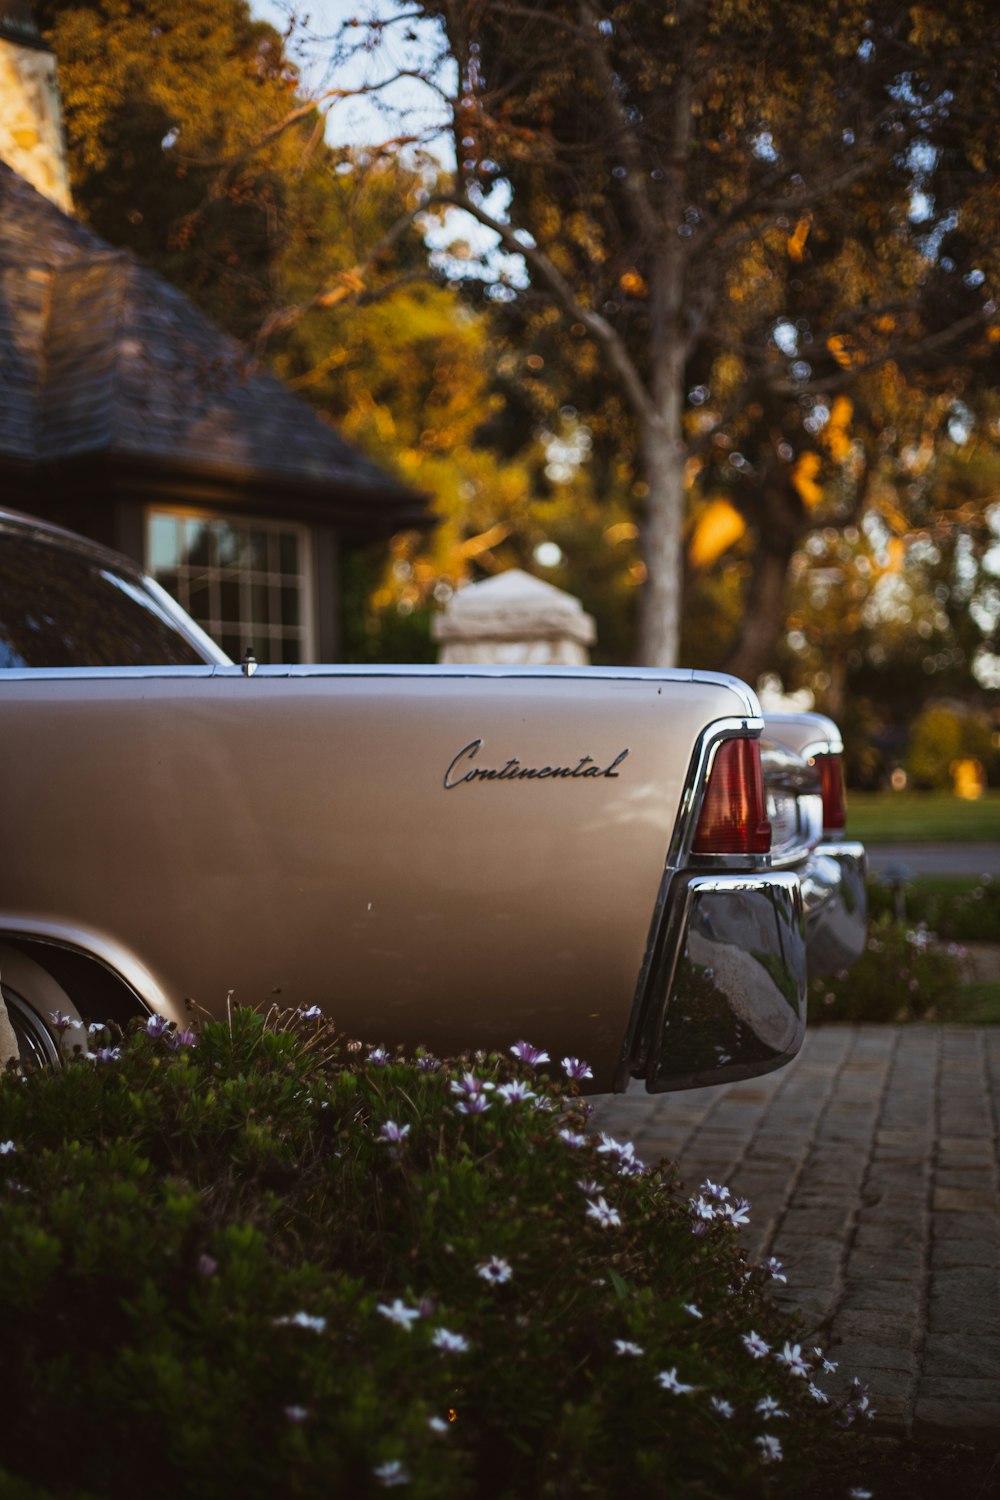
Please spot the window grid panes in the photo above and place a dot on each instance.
(244, 581)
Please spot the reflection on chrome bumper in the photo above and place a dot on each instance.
(733, 1005)
(836, 906)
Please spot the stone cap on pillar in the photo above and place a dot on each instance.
(514, 617)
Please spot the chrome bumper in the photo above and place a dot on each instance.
(836, 906)
(731, 999)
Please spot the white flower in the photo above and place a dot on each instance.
(737, 1212)
(7, 1148)
(667, 1380)
(437, 1424)
(301, 1320)
(770, 1449)
(773, 1269)
(702, 1209)
(828, 1365)
(625, 1346)
(714, 1190)
(451, 1343)
(398, 1312)
(857, 1493)
(589, 1186)
(470, 1087)
(721, 1406)
(390, 1474)
(310, 1012)
(754, 1344)
(478, 1104)
(629, 1164)
(606, 1216)
(768, 1407)
(791, 1357)
(817, 1394)
(296, 1413)
(392, 1132)
(526, 1053)
(378, 1057)
(576, 1069)
(517, 1092)
(690, 1307)
(494, 1270)
(572, 1138)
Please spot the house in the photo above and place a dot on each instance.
(127, 415)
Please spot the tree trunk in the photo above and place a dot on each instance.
(764, 615)
(660, 606)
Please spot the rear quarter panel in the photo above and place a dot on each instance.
(289, 838)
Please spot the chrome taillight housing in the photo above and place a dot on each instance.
(733, 817)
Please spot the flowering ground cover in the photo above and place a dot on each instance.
(260, 1261)
(906, 973)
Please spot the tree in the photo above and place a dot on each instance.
(748, 212)
(180, 143)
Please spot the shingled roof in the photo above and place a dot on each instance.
(99, 356)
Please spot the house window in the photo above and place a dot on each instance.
(245, 581)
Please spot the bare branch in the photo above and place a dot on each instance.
(904, 354)
(599, 327)
(348, 285)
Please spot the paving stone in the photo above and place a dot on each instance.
(949, 1226)
(952, 1355)
(856, 1357)
(945, 1419)
(965, 1200)
(861, 1325)
(965, 1148)
(948, 1254)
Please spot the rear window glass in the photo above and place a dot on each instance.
(60, 609)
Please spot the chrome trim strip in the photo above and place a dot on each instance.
(125, 967)
(432, 670)
(822, 747)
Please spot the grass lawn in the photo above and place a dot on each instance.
(979, 1004)
(923, 817)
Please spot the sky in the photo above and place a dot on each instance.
(358, 121)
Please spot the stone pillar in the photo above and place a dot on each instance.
(31, 133)
(514, 619)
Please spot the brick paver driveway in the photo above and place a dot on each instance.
(871, 1164)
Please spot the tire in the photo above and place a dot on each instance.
(31, 995)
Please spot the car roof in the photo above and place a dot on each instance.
(57, 536)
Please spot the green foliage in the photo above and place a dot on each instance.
(905, 974)
(171, 111)
(941, 735)
(220, 1278)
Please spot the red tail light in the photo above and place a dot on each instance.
(734, 813)
(831, 773)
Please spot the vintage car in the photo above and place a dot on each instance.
(602, 861)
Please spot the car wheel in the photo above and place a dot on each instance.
(31, 996)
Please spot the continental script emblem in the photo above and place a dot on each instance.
(462, 769)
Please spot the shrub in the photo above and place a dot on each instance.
(275, 1264)
(957, 908)
(904, 974)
